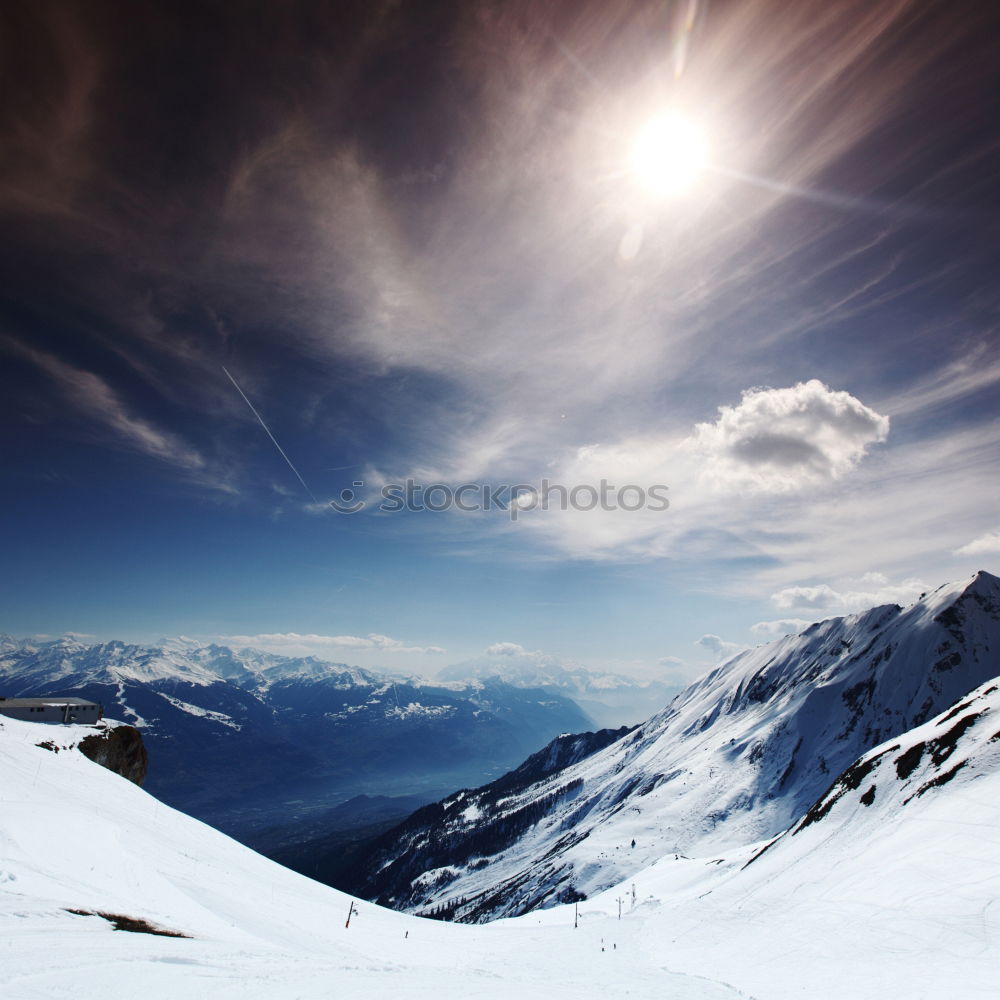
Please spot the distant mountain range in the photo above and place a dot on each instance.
(770, 741)
(251, 741)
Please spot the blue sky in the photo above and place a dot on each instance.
(420, 244)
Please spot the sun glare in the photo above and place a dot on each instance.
(668, 154)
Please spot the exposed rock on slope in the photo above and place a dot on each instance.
(962, 742)
(119, 749)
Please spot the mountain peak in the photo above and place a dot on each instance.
(735, 758)
(950, 605)
(983, 581)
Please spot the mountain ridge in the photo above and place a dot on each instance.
(736, 758)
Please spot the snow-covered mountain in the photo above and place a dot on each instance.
(738, 757)
(878, 787)
(884, 895)
(247, 739)
(183, 661)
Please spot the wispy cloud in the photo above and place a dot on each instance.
(972, 372)
(93, 397)
(759, 454)
(473, 283)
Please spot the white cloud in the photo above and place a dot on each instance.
(718, 646)
(506, 649)
(821, 596)
(674, 670)
(851, 598)
(988, 544)
(780, 626)
(773, 443)
(671, 661)
(294, 642)
(779, 440)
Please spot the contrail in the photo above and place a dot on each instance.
(260, 420)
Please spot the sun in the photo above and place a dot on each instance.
(668, 154)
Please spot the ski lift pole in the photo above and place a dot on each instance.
(350, 913)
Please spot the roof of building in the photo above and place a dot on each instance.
(35, 702)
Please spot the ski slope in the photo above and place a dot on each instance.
(75, 836)
(876, 902)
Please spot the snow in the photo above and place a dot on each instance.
(856, 906)
(183, 661)
(415, 710)
(135, 718)
(203, 713)
(75, 836)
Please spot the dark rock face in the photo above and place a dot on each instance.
(120, 750)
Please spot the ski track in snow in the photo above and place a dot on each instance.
(204, 713)
(137, 720)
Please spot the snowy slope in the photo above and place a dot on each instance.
(737, 758)
(76, 837)
(889, 886)
(960, 745)
(873, 902)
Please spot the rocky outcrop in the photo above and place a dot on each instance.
(119, 749)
